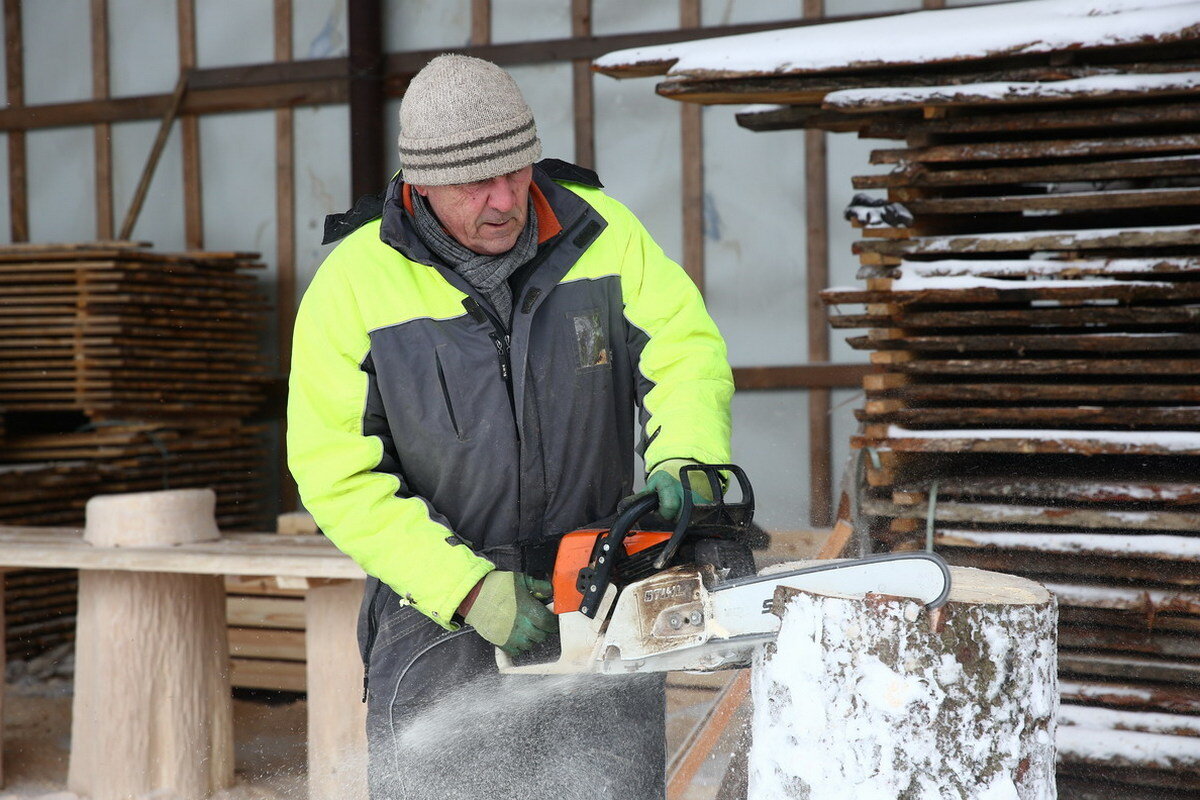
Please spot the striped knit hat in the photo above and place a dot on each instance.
(462, 120)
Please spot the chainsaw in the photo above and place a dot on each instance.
(631, 600)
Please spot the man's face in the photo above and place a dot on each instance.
(485, 216)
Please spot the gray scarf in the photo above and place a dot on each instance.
(488, 274)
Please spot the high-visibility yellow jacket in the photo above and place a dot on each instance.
(431, 445)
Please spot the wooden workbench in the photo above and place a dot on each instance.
(333, 583)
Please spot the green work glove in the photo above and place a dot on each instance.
(664, 481)
(508, 612)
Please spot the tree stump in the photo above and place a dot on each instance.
(876, 698)
(152, 711)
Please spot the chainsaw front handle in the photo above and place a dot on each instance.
(594, 580)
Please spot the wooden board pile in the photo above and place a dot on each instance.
(120, 332)
(123, 370)
(1032, 306)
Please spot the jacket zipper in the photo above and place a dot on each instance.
(502, 342)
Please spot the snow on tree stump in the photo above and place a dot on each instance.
(877, 698)
(152, 713)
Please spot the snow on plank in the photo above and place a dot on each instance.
(1094, 87)
(1081, 745)
(1050, 366)
(1056, 516)
(1057, 201)
(1088, 543)
(1039, 148)
(1150, 343)
(970, 289)
(1079, 117)
(990, 392)
(1034, 440)
(1142, 600)
(1113, 488)
(1038, 240)
(1057, 270)
(1102, 719)
(922, 38)
(903, 181)
(980, 319)
(1123, 417)
(1123, 695)
(1126, 667)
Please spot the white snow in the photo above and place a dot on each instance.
(1127, 747)
(1008, 90)
(1140, 721)
(832, 715)
(1074, 689)
(1001, 788)
(761, 108)
(950, 267)
(1070, 238)
(1174, 441)
(1112, 597)
(911, 282)
(925, 37)
(1183, 548)
(885, 689)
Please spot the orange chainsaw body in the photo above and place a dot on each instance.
(575, 553)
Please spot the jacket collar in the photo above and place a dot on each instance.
(557, 208)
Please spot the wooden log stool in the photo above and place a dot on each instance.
(876, 697)
(337, 715)
(152, 711)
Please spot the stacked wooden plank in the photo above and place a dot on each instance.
(1032, 306)
(120, 332)
(46, 479)
(122, 370)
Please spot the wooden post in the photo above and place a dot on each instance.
(14, 68)
(816, 203)
(481, 22)
(103, 130)
(364, 23)
(152, 710)
(877, 697)
(691, 123)
(189, 133)
(337, 716)
(582, 91)
(285, 237)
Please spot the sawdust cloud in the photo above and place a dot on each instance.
(529, 733)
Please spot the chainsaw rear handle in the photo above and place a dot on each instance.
(718, 514)
(595, 579)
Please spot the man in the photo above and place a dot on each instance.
(465, 374)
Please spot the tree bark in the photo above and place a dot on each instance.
(152, 709)
(877, 698)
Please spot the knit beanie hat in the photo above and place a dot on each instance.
(462, 120)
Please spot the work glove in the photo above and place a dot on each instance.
(664, 481)
(508, 611)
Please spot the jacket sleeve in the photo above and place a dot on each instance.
(684, 383)
(340, 453)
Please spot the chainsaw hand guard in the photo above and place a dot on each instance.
(712, 519)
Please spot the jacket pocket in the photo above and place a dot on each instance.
(441, 376)
(590, 331)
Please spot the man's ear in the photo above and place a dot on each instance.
(422, 190)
